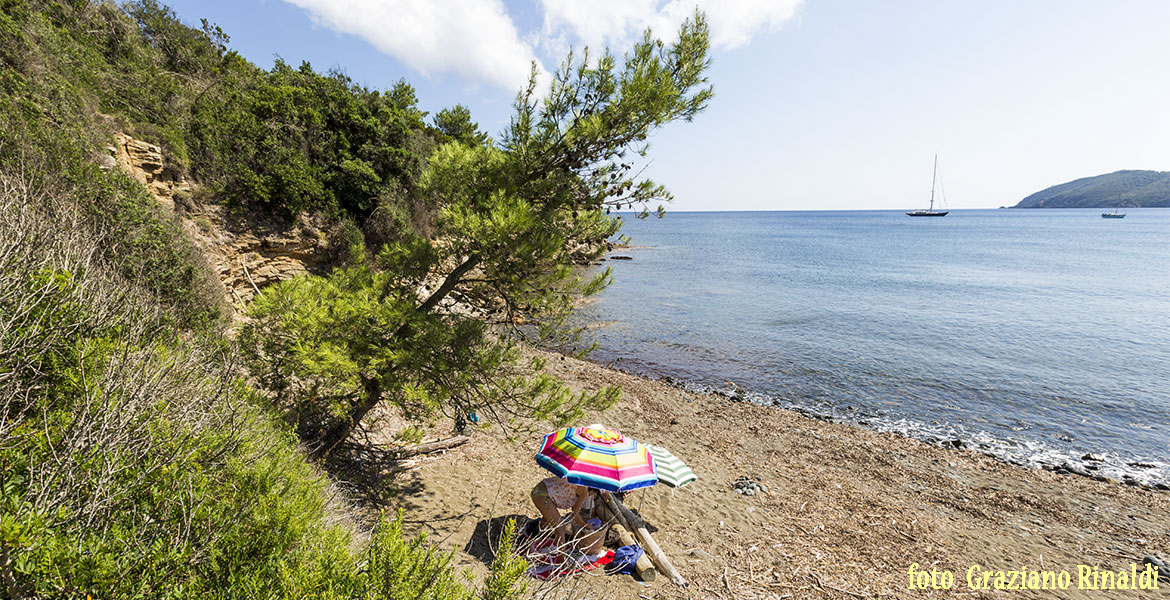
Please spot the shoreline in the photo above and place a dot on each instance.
(847, 512)
(1088, 465)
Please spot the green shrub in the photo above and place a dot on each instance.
(287, 140)
(137, 465)
(130, 229)
(409, 570)
(410, 435)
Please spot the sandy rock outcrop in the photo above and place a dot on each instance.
(144, 161)
(246, 250)
(250, 251)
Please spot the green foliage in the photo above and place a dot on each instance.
(510, 221)
(403, 97)
(184, 50)
(137, 236)
(136, 462)
(505, 580)
(63, 63)
(135, 466)
(456, 124)
(150, 247)
(412, 329)
(330, 348)
(294, 140)
(402, 570)
(410, 435)
(397, 219)
(138, 465)
(593, 116)
(287, 140)
(349, 239)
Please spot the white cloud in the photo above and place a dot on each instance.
(475, 40)
(615, 23)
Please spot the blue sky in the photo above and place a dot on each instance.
(819, 104)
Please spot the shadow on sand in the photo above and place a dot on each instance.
(373, 475)
(485, 540)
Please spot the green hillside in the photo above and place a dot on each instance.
(1122, 188)
(148, 452)
(136, 460)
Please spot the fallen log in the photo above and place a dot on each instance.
(658, 557)
(429, 447)
(644, 568)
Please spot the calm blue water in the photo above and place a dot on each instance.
(1036, 335)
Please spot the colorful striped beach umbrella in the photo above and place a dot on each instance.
(670, 469)
(597, 457)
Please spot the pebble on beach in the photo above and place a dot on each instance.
(748, 486)
(1161, 564)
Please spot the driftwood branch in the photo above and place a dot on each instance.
(239, 301)
(639, 528)
(429, 447)
(249, 276)
(644, 568)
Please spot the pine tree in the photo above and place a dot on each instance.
(430, 325)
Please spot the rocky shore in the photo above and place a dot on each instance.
(834, 510)
(1099, 468)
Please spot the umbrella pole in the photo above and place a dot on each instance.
(639, 527)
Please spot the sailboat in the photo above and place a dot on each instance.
(930, 212)
(1113, 215)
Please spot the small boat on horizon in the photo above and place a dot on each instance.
(1113, 215)
(931, 212)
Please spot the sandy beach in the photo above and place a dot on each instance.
(848, 511)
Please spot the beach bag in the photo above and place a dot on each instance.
(624, 559)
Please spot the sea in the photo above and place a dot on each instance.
(1041, 337)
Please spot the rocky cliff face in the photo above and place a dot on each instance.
(144, 161)
(247, 251)
(250, 250)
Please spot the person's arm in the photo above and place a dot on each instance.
(582, 494)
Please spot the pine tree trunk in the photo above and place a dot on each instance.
(339, 432)
(373, 388)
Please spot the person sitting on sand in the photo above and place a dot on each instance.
(554, 493)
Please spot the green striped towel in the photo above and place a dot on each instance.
(669, 468)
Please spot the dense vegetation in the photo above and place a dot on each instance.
(137, 459)
(412, 327)
(1122, 188)
(289, 139)
(136, 462)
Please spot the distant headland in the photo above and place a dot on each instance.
(1122, 188)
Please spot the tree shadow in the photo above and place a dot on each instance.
(373, 475)
(485, 540)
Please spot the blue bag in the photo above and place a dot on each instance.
(624, 559)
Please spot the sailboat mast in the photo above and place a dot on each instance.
(933, 178)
